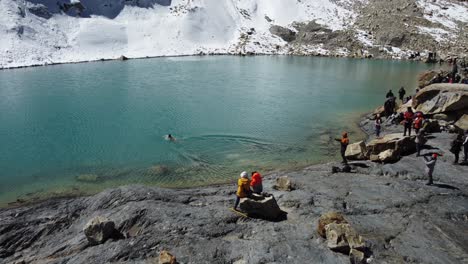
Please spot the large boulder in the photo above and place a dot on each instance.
(378, 149)
(356, 151)
(441, 98)
(462, 122)
(283, 183)
(430, 77)
(99, 229)
(264, 207)
(342, 238)
(328, 218)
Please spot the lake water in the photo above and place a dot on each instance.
(107, 120)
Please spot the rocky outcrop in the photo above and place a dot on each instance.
(442, 98)
(264, 207)
(390, 147)
(356, 151)
(430, 77)
(285, 33)
(99, 229)
(462, 123)
(283, 183)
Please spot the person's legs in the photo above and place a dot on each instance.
(429, 174)
(457, 155)
(237, 202)
(343, 156)
(405, 128)
(465, 150)
(418, 149)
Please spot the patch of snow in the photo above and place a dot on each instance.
(440, 35)
(363, 37)
(445, 12)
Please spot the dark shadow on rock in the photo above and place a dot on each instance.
(445, 186)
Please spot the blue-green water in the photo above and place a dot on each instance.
(228, 114)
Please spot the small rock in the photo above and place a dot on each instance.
(283, 183)
(342, 238)
(357, 257)
(166, 258)
(123, 58)
(356, 151)
(99, 229)
(328, 218)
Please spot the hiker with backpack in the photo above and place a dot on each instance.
(243, 188)
(430, 165)
(378, 125)
(401, 93)
(256, 183)
(420, 141)
(418, 122)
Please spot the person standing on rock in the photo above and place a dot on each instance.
(378, 125)
(402, 93)
(256, 183)
(420, 141)
(408, 121)
(344, 141)
(243, 188)
(456, 146)
(430, 165)
(389, 94)
(418, 122)
(465, 147)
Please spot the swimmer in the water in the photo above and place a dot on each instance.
(170, 137)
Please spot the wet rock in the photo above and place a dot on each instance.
(283, 183)
(285, 33)
(328, 218)
(262, 207)
(356, 151)
(87, 178)
(99, 229)
(441, 98)
(166, 258)
(462, 122)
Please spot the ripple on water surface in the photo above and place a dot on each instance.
(79, 128)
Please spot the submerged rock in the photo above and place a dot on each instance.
(87, 178)
(264, 207)
(99, 229)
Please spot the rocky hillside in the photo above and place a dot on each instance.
(39, 32)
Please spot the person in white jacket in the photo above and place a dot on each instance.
(430, 164)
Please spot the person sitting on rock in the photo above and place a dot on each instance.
(256, 183)
(408, 121)
(344, 141)
(456, 146)
(430, 164)
(243, 188)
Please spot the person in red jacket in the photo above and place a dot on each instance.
(256, 183)
(408, 121)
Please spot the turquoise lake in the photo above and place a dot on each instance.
(79, 128)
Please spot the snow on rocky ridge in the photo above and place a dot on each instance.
(39, 32)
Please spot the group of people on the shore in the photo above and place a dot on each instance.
(246, 187)
(411, 120)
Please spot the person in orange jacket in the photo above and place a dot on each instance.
(344, 142)
(243, 188)
(256, 183)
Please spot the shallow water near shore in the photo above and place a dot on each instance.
(105, 122)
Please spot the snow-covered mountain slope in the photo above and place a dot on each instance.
(36, 32)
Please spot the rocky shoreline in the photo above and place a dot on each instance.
(388, 204)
